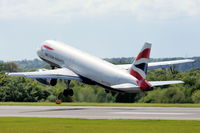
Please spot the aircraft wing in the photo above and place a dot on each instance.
(159, 65)
(160, 83)
(61, 73)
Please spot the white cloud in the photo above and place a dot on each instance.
(165, 9)
(69, 9)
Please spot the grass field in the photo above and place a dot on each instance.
(55, 125)
(98, 104)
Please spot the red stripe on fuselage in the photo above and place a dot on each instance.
(144, 54)
(47, 47)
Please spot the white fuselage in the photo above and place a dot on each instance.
(86, 65)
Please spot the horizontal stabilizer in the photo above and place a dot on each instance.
(160, 83)
(167, 64)
(159, 65)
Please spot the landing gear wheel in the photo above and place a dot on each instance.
(65, 93)
(68, 92)
(71, 92)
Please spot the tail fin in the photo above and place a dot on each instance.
(139, 67)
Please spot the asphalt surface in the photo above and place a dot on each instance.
(93, 112)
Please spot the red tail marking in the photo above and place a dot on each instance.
(47, 47)
(144, 85)
(144, 54)
(136, 74)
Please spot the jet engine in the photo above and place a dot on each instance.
(51, 82)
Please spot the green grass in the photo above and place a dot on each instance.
(98, 104)
(61, 125)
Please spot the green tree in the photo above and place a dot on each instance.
(21, 90)
(173, 94)
(152, 97)
(196, 96)
(87, 93)
(9, 67)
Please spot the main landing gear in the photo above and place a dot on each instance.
(68, 91)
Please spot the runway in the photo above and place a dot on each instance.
(93, 112)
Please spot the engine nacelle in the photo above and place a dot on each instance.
(51, 82)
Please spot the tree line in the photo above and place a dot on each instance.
(36, 63)
(20, 89)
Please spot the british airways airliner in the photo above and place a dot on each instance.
(69, 63)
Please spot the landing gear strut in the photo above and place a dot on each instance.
(68, 91)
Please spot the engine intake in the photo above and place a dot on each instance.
(51, 82)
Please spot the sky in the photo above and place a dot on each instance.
(104, 28)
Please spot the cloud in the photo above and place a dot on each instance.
(70, 9)
(165, 9)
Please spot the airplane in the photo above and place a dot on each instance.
(69, 63)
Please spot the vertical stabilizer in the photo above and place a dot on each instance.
(140, 65)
